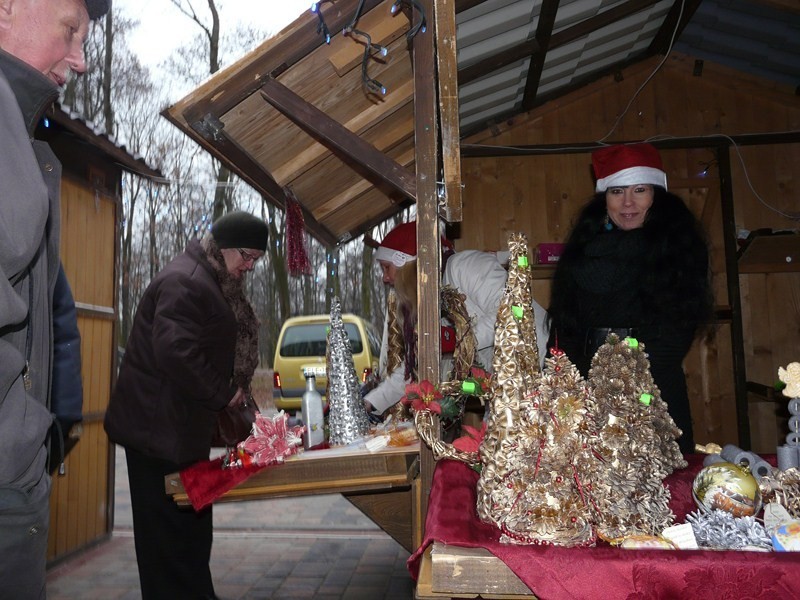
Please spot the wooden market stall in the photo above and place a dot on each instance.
(303, 114)
(81, 502)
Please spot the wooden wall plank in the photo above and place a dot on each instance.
(79, 502)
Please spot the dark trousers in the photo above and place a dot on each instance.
(24, 523)
(173, 544)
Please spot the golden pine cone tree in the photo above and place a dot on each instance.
(535, 443)
(635, 441)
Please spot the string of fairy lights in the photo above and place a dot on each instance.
(372, 51)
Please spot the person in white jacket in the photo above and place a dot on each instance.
(480, 276)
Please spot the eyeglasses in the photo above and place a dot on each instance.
(247, 257)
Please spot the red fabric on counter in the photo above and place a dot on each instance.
(206, 481)
(557, 573)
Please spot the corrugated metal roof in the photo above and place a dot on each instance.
(747, 36)
(592, 37)
(97, 137)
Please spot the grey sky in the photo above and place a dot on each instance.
(162, 27)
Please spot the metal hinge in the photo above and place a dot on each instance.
(210, 127)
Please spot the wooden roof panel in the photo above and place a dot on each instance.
(386, 130)
(265, 132)
(343, 182)
(273, 140)
(367, 210)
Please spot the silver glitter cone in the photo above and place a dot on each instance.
(347, 420)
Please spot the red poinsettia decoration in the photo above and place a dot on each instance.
(472, 441)
(271, 440)
(423, 396)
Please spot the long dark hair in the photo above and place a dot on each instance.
(675, 285)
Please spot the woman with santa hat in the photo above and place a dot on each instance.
(635, 264)
(478, 275)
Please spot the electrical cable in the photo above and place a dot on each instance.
(792, 216)
(322, 27)
(372, 85)
(646, 81)
(356, 17)
(421, 24)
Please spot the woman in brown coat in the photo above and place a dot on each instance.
(191, 352)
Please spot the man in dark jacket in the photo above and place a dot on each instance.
(191, 352)
(41, 43)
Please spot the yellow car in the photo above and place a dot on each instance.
(301, 348)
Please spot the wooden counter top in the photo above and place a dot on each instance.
(382, 484)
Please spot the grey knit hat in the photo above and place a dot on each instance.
(239, 229)
(97, 8)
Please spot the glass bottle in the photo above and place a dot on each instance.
(313, 418)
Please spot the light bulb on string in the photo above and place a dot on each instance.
(322, 27)
(706, 167)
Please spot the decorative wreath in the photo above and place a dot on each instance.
(447, 399)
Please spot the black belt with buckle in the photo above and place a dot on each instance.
(596, 337)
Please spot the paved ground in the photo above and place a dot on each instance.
(318, 547)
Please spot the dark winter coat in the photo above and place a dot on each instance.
(176, 373)
(30, 183)
(29, 239)
(653, 280)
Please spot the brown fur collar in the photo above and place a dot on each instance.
(246, 357)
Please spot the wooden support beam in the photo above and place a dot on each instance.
(447, 71)
(544, 29)
(706, 141)
(428, 242)
(400, 97)
(734, 298)
(216, 141)
(348, 146)
(391, 510)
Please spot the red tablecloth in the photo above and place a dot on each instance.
(555, 573)
(206, 480)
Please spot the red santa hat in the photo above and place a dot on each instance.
(623, 165)
(399, 247)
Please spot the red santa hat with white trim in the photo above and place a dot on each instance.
(399, 247)
(623, 165)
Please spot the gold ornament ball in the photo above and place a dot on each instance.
(729, 487)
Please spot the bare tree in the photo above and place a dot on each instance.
(211, 32)
(277, 258)
(108, 111)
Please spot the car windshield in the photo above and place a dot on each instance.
(312, 340)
